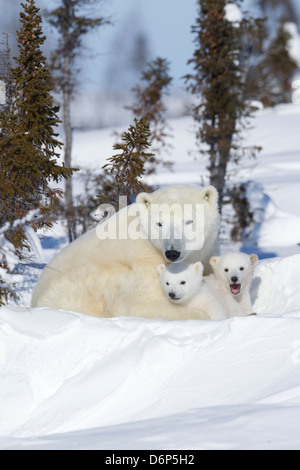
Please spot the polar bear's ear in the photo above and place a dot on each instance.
(199, 267)
(210, 194)
(160, 269)
(143, 199)
(253, 258)
(214, 261)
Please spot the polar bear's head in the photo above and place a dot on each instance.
(235, 270)
(179, 219)
(181, 281)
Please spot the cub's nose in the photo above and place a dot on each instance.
(234, 279)
(172, 255)
(172, 295)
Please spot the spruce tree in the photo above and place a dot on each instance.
(29, 145)
(124, 172)
(218, 81)
(149, 102)
(277, 70)
(270, 77)
(121, 176)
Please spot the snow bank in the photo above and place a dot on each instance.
(275, 288)
(69, 380)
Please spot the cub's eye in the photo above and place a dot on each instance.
(189, 222)
(159, 224)
(226, 270)
(167, 283)
(182, 283)
(241, 268)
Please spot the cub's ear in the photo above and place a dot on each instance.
(144, 199)
(253, 258)
(199, 267)
(210, 194)
(160, 269)
(214, 261)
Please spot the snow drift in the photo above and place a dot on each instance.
(73, 381)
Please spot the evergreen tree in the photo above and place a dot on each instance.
(28, 142)
(149, 102)
(242, 214)
(28, 145)
(125, 169)
(270, 77)
(121, 176)
(277, 69)
(219, 82)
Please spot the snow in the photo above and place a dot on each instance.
(233, 13)
(127, 382)
(70, 381)
(294, 41)
(8, 259)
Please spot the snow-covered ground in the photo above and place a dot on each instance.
(73, 381)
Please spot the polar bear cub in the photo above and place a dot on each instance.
(231, 280)
(183, 284)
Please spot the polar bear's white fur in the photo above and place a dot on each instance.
(184, 285)
(231, 280)
(111, 271)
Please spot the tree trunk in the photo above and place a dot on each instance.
(217, 169)
(219, 158)
(217, 179)
(68, 147)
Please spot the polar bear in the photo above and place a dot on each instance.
(111, 270)
(231, 280)
(183, 284)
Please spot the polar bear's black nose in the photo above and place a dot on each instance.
(234, 279)
(172, 295)
(172, 255)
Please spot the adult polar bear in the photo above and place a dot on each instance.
(112, 270)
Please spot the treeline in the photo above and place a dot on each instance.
(235, 63)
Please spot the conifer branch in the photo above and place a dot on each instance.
(127, 167)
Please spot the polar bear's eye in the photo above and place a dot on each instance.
(159, 224)
(167, 283)
(189, 222)
(182, 283)
(241, 268)
(226, 270)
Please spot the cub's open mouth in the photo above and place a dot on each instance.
(235, 289)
